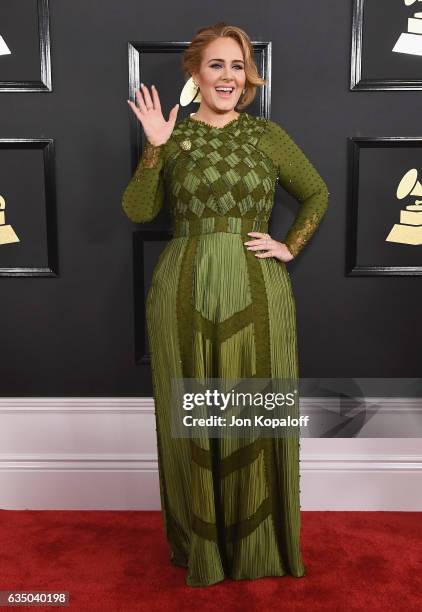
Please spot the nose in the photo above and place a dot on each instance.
(228, 73)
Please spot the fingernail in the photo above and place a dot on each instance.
(142, 84)
(152, 85)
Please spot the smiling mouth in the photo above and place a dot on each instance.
(224, 93)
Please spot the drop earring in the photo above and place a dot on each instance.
(190, 93)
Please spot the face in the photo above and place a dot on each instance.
(222, 65)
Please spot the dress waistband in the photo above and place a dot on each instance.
(208, 225)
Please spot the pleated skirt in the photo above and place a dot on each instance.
(230, 507)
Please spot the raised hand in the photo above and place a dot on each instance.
(156, 128)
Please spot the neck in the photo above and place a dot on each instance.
(217, 119)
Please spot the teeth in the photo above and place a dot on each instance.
(224, 88)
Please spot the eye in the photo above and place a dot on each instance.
(235, 66)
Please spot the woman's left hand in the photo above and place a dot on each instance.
(273, 248)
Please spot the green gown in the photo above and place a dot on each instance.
(214, 309)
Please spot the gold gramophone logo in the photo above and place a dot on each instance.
(7, 233)
(409, 230)
(411, 41)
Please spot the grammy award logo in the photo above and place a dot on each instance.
(411, 41)
(7, 233)
(409, 230)
(4, 49)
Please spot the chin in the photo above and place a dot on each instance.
(228, 105)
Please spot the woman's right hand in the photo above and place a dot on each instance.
(156, 128)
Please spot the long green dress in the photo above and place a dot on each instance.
(214, 309)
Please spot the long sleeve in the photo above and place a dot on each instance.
(300, 179)
(143, 197)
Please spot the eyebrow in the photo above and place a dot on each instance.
(218, 59)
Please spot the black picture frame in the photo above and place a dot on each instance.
(355, 146)
(363, 13)
(137, 50)
(44, 83)
(47, 145)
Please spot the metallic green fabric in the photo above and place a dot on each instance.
(214, 310)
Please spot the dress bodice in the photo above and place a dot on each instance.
(209, 173)
(219, 171)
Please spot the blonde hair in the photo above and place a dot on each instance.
(192, 56)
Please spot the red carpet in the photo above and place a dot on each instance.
(118, 561)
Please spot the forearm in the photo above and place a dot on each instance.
(143, 196)
(307, 220)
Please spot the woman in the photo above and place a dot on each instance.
(221, 305)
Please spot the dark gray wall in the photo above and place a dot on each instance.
(74, 335)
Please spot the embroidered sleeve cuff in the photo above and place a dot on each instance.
(151, 156)
(301, 231)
